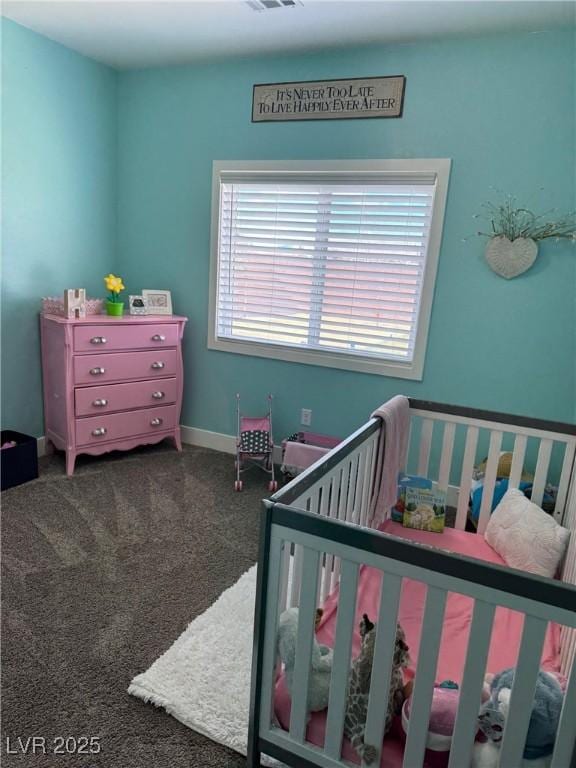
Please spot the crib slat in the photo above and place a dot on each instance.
(365, 501)
(569, 567)
(344, 491)
(425, 444)
(568, 653)
(325, 567)
(320, 579)
(341, 660)
(446, 459)
(541, 474)
(517, 461)
(523, 688)
(342, 501)
(335, 573)
(296, 575)
(425, 673)
(565, 746)
(334, 492)
(306, 616)
(404, 469)
(324, 494)
(466, 477)
(357, 511)
(272, 613)
(329, 558)
(490, 479)
(564, 481)
(284, 576)
(384, 648)
(352, 488)
(313, 503)
(375, 440)
(466, 723)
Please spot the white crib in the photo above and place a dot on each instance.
(316, 533)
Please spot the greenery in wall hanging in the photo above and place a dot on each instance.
(515, 232)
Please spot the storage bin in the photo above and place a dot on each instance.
(302, 449)
(19, 464)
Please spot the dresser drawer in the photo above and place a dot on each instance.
(91, 401)
(116, 426)
(92, 338)
(95, 369)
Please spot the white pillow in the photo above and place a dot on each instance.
(525, 536)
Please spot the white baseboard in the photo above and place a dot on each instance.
(41, 446)
(204, 438)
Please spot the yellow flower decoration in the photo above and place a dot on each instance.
(113, 284)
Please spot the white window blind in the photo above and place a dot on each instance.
(335, 267)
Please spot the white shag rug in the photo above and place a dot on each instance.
(203, 679)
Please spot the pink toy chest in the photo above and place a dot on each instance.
(111, 383)
(300, 454)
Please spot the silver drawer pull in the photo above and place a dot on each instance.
(100, 403)
(99, 432)
(98, 340)
(157, 365)
(158, 395)
(156, 422)
(97, 371)
(158, 337)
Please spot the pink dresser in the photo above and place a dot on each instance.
(111, 383)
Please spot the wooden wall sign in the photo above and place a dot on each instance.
(360, 97)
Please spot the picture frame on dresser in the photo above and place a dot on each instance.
(157, 302)
(137, 305)
(111, 383)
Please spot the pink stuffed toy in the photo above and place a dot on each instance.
(441, 724)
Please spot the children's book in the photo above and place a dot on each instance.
(425, 509)
(414, 481)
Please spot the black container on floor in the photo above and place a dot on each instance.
(19, 464)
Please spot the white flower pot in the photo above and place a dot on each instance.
(510, 258)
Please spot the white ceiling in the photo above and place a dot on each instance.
(144, 33)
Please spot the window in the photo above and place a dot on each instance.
(327, 263)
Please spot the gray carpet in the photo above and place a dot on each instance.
(101, 573)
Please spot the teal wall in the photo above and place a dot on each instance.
(59, 205)
(106, 170)
(502, 108)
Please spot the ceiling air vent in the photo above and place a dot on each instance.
(268, 5)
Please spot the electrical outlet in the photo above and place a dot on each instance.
(305, 417)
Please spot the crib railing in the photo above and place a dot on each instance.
(540, 600)
(303, 548)
(440, 422)
(338, 487)
(434, 427)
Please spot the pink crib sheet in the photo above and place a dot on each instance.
(506, 632)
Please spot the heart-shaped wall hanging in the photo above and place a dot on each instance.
(510, 258)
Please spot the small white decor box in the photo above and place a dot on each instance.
(54, 305)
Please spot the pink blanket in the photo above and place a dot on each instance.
(392, 452)
(506, 632)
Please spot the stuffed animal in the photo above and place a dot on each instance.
(445, 698)
(359, 688)
(321, 662)
(546, 708)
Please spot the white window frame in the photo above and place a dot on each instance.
(402, 171)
